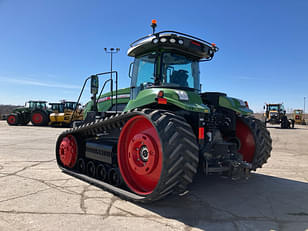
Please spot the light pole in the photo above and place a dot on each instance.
(111, 51)
(304, 106)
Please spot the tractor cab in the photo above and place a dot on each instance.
(275, 108)
(274, 113)
(70, 105)
(57, 107)
(36, 105)
(168, 59)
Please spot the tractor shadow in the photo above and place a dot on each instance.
(285, 129)
(216, 200)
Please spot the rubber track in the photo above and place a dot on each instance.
(179, 145)
(262, 139)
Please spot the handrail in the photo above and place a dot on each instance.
(99, 74)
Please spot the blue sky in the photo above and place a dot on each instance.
(47, 48)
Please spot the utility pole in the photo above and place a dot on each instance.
(111, 51)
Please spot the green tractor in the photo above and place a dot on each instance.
(149, 141)
(34, 111)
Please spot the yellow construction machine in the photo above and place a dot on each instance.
(298, 116)
(65, 113)
(276, 114)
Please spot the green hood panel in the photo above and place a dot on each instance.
(193, 101)
(21, 109)
(104, 100)
(186, 100)
(234, 104)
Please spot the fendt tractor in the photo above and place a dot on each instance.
(276, 114)
(34, 111)
(149, 141)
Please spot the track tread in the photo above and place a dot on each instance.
(179, 144)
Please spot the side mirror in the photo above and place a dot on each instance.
(94, 84)
(131, 65)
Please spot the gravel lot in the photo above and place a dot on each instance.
(36, 195)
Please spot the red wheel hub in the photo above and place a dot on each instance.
(68, 151)
(247, 141)
(37, 118)
(11, 119)
(140, 155)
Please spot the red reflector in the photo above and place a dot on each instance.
(201, 133)
(162, 101)
(195, 43)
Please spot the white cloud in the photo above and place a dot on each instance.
(38, 83)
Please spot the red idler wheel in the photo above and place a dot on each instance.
(12, 120)
(37, 118)
(68, 151)
(247, 141)
(140, 155)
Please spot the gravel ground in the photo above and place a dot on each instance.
(36, 195)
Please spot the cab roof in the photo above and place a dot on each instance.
(173, 41)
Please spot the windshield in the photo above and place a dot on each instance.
(143, 73)
(70, 105)
(275, 108)
(37, 105)
(57, 107)
(180, 71)
(174, 71)
(144, 69)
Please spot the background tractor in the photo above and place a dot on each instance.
(149, 141)
(298, 116)
(64, 113)
(34, 111)
(276, 114)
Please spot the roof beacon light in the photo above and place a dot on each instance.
(153, 25)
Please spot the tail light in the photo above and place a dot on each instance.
(160, 98)
(201, 133)
(246, 103)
